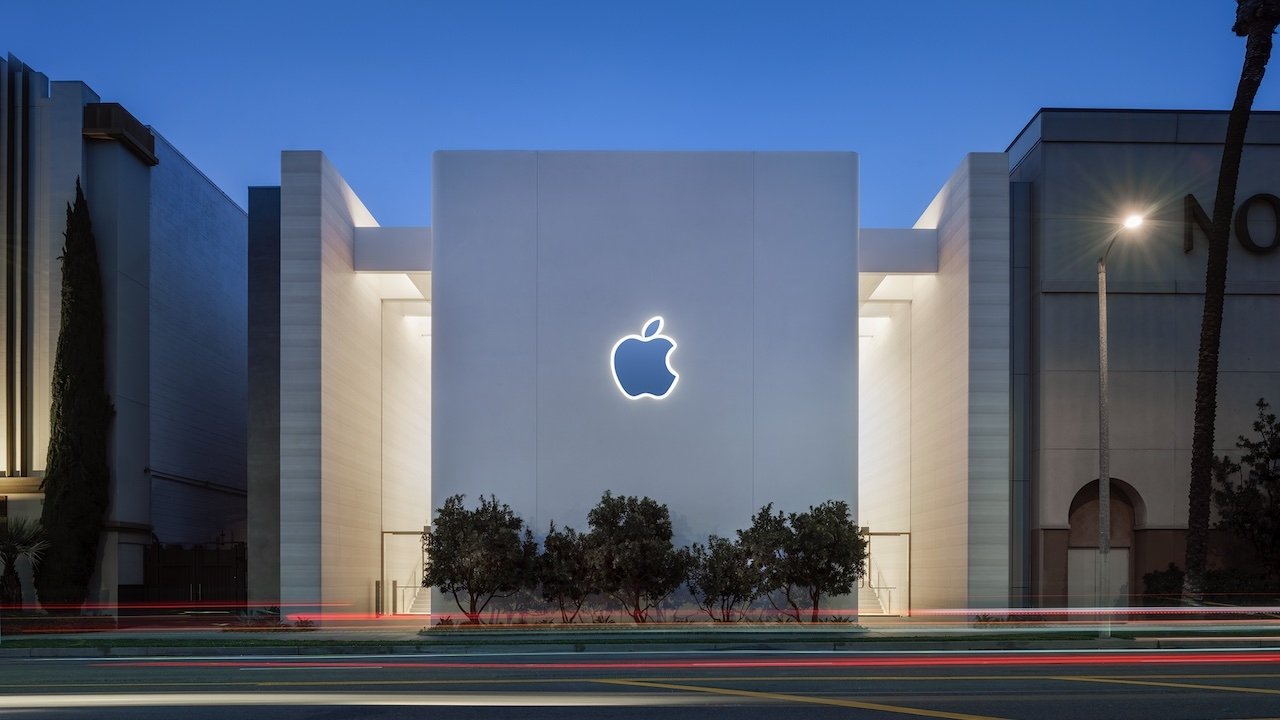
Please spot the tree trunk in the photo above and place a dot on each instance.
(1257, 53)
(638, 614)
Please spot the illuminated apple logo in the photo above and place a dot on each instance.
(642, 364)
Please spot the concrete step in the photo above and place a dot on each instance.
(869, 602)
(421, 603)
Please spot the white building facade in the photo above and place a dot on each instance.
(941, 378)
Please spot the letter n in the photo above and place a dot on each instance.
(1193, 215)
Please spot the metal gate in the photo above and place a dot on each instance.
(197, 574)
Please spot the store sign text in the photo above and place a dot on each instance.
(1194, 217)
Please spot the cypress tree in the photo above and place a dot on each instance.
(76, 476)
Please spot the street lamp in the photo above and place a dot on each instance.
(1103, 580)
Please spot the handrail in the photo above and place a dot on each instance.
(886, 602)
(415, 588)
(407, 603)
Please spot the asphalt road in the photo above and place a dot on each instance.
(1041, 685)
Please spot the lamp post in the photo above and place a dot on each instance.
(1103, 580)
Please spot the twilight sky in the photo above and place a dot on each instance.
(380, 85)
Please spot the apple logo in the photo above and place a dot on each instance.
(642, 364)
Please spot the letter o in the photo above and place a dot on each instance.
(1242, 224)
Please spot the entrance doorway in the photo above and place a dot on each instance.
(1082, 546)
(885, 588)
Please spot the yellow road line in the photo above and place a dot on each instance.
(1184, 686)
(780, 697)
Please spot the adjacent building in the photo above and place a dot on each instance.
(1073, 173)
(172, 248)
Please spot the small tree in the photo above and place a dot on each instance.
(564, 572)
(1249, 505)
(769, 543)
(19, 538)
(632, 557)
(830, 552)
(722, 578)
(803, 556)
(478, 554)
(77, 476)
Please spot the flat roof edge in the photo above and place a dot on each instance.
(1033, 132)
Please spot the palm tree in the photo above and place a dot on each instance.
(1256, 21)
(19, 538)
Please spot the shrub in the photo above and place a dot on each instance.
(722, 578)
(631, 554)
(478, 555)
(564, 573)
(804, 556)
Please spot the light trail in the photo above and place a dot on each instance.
(104, 700)
(1196, 657)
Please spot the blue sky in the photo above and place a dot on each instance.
(379, 86)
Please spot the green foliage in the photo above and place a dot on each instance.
(479, 554)
(831, 552)
(77, 477)
(1247, 494)
(803, 556)
(1163, 587)
(722, 578)
(768, 543)
(19, 538)
(1231, 585)
(564, 574)
(631, 554)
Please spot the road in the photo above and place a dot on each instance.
(1044, 685)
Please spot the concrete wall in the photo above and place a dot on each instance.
(264, 396)
(53, 156)
(543, 260)
(59, 158)
(118, 190)
(331, 392)
(1155, 303)
(960, 395)
(1088, 170)
(198, 335)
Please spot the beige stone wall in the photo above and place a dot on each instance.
(355, 453)
(330, 388)
(960, 395)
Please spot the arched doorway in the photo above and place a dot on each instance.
(1082, 545)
